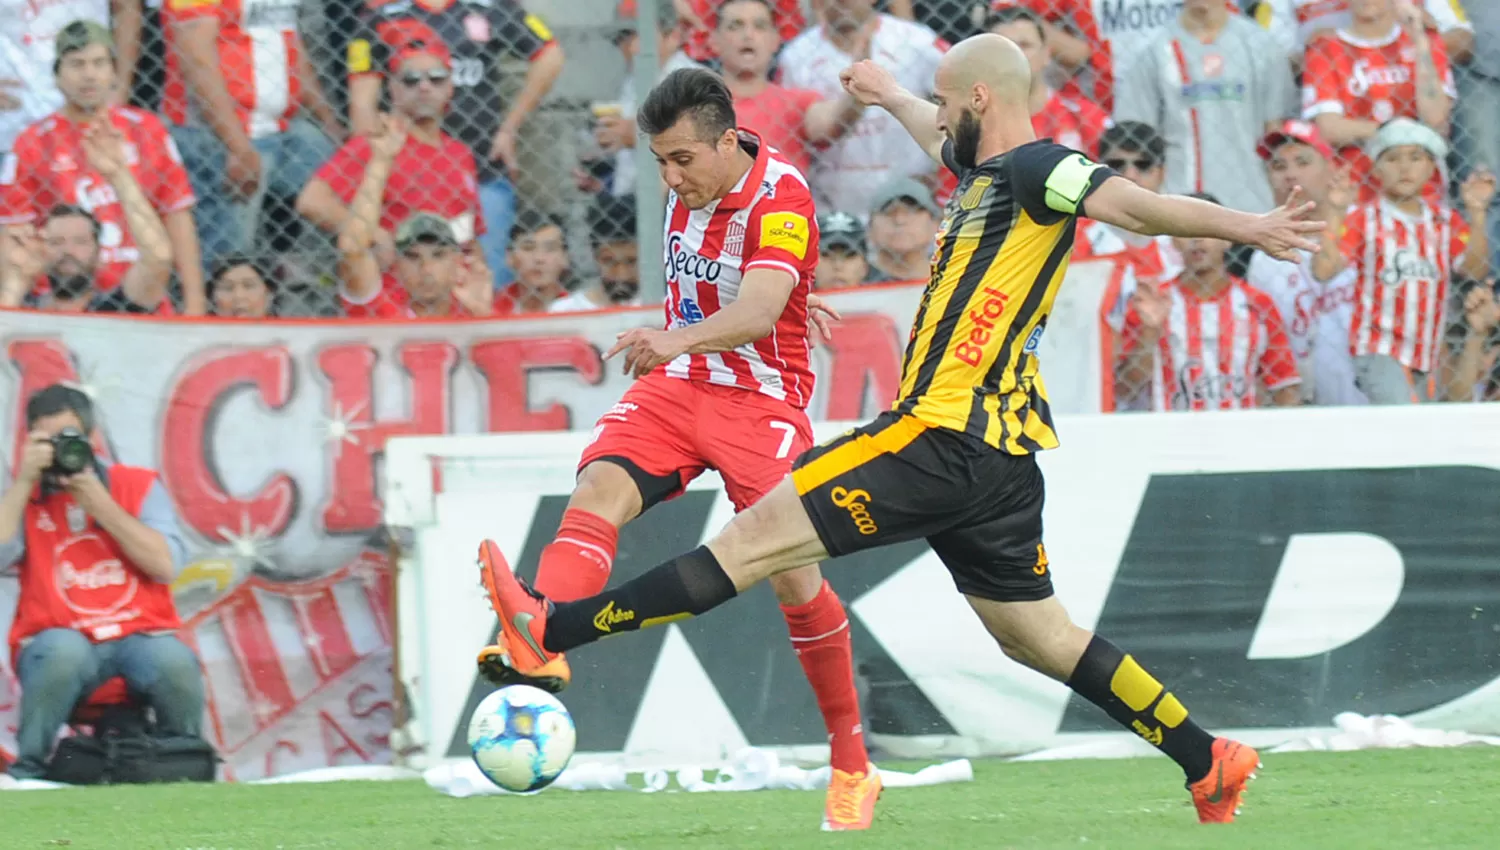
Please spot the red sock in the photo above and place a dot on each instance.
(820, 635)
(577, 562)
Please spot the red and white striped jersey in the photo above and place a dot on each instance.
(1404, 262)
(768, 221)
(1215, 354)
(258, 48)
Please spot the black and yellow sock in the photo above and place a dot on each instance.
(1112, 680)
(682, 587)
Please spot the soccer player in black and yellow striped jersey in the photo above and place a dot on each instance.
(954, 461)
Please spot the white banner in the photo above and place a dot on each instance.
(1274, 567)
(269, 438)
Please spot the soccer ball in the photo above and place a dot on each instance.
(521, 738)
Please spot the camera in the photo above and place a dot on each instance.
(71, 453)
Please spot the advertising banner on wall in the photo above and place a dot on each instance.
(269, 438)
(1275, 568)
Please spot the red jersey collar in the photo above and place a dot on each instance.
(744, 191)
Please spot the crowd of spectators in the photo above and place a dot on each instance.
(237, 175)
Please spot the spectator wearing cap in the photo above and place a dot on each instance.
(876, 149)
(50, 167)
(239, 289)
(538, 257)
(616, 253)
(1206, 340)
(28, 38)
(843, 253)
(427, 169)
(1213, 84)
(794, 121)
(1385, 65)
(1316, 313)
(903, 230)
(1070, 121)
(431, 277)
(248, 113)
(614, 123)
(1404, 249)
(481, 36)
(1138, 153)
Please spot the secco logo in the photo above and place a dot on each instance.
(982, 315)
(682, 263)
(1365, 76)
(855, 502)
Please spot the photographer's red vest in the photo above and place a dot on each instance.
(75, 576)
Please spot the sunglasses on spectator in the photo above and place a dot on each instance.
(1144, 163)
(415, 78)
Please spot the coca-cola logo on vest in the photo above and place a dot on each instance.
(90, 579)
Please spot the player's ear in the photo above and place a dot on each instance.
(728, 141)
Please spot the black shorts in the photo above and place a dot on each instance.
(898, 478)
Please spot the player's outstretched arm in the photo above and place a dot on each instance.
(1282, 232)
(871, 85)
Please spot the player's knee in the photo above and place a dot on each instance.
(606, 489)
(797, 587)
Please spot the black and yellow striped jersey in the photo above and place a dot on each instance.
(1002, 251)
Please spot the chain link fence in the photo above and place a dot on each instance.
(478, 157)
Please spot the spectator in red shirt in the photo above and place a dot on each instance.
(66, 258)
(432, 171)
(790, 120)
(539, 258)
(699, 18)
(239, 84)
(49, 166)
(432, 275)
(1406, 248)
(1070, 121)
(1386, 65)
(238, 289)
(1207, 340)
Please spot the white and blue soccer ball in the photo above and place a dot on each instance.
(521, 737)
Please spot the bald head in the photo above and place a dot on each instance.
(981, 89)
(991, 61)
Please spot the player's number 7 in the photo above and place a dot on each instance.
(789, 433)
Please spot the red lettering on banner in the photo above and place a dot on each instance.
(337, 742)
(350, 369)
(276, 749)
(187, 450)
(866, 356)
(506, 365)
(42, 363)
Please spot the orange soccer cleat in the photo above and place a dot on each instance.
(517, 656)
(1217, 796)
(851, 800)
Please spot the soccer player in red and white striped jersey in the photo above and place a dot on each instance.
(1207, 340)
(1405, 249)
(723, 386)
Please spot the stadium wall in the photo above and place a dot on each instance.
(1276, 568)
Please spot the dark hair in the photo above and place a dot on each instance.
(697, 93)
(530, 222)
(229, 262)
(612, 219)
(60, 398)
(719, 8)
(1010, 14)
(1133, 136)
(74, 211)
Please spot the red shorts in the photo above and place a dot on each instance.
(671, 430)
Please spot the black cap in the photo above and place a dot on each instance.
(841, 230)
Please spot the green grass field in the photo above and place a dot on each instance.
(1348, 801)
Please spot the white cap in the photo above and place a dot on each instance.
(1405, 131)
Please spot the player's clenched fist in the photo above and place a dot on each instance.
(868, 83)
(645, 349)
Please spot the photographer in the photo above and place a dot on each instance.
(97, 546)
